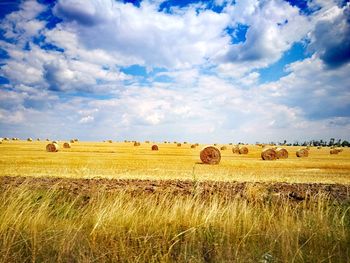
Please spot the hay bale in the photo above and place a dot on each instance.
(340, 150)
(47, 140)
(303, 152)
(319, 147)
(1, 139)
(6, 139)
(235, 149)
(110, 141)
(282, 153)
(197, 144)
(223, 148)
(334, 151)
(178, 144)
(269, 154)
(146, 141)
(137, 144)
(72, 141)
(38, 139)
(76, 140)
(193, 146)
(210, 155)
(155, 147)
(52, 147)
(55, 142)
(243, 150)
(67, 145)
(29, 139)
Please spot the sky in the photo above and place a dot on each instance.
(203, 71)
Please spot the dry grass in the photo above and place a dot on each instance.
(56, 226)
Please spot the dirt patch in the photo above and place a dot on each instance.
(297, 192)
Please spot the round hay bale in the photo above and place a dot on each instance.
(282, 153)
(72, 141)
(210, 155)
(67, 145)
(55, 142)
(235, 149)
(47, 140)
(155, 147)
(38, 139)
(29, 139)
(319, 147)
(76, 140)
(243, 150)
(137, 144)
(52, 147)
(110, 141)
(268, 154)
(302, 152)
(178, 144)
(334, 151)
(197, 144)
(340, 150)
(193, 146)
(223, 148)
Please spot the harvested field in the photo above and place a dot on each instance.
(121, 160)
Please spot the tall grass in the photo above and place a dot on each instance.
(57, 226)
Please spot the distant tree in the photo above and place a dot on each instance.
(339, 143)
(331, 142)
(345, 144)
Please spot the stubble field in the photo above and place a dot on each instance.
(115, 202)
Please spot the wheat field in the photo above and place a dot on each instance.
(78, 219)
(123, 160)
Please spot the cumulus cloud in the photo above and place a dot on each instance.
(145, 35)
(66, 80)
(331, 36)
(273, 27)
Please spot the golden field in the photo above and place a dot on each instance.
(115, 203)
(123, 160)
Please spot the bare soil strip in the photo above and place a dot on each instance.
(295, 191)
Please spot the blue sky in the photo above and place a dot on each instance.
(206, 71)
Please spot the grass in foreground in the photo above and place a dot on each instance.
(56, 226)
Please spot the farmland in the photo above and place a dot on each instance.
(124, 161)
(100, 201)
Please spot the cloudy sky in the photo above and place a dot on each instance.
(206, 71)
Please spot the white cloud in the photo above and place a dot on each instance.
(213, 94)
(145, 35)
(86, 119)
